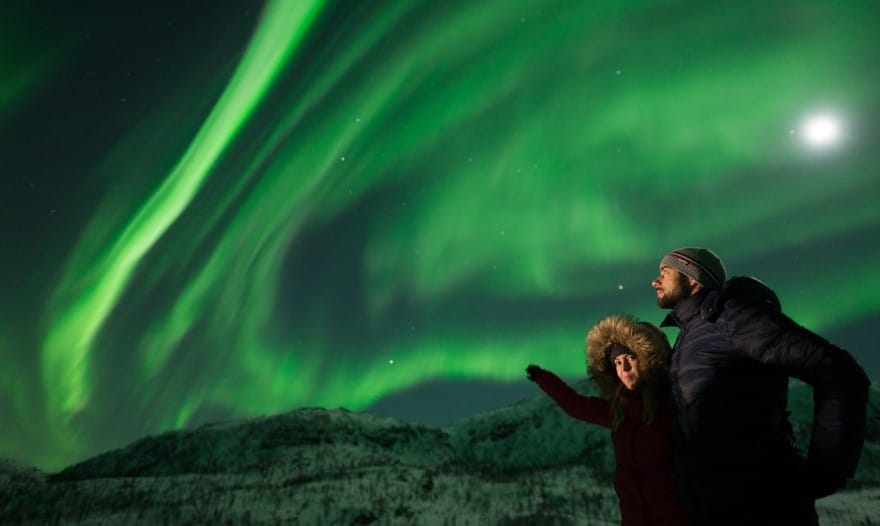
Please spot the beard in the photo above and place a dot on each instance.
(681, 290)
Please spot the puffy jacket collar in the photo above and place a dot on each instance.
(709, 303)
(689, 308)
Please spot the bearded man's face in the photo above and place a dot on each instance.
(672, 288)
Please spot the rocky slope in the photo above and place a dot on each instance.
(524, 464)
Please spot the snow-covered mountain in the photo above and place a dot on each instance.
(524, 464)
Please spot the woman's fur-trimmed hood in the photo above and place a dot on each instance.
(647, 342)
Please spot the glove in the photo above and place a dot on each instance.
(532, 372)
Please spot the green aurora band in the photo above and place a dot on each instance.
(386, 196)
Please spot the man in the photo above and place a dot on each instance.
(736, 459)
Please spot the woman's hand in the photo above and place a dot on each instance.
(532, 372)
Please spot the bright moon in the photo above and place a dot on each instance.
(821, 130)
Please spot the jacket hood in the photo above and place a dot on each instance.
(746, 289)
(646, 341)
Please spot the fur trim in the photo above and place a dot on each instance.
(646, 340)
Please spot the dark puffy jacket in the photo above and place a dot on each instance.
(729, 371)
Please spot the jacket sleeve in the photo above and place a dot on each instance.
(590, 409)
(840, 388)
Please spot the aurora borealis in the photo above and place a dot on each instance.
(217, 211)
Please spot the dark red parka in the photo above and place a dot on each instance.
(645, 479)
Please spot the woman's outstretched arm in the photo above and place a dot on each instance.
(590, 409)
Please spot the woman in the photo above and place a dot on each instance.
(626, 359)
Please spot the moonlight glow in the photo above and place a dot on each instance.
(822, 130)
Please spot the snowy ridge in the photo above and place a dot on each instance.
(528, 463)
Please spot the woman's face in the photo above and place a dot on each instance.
(627, 367)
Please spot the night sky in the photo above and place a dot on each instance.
(217, 210)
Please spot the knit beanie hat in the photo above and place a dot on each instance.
(700, 264)
(616, 349)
